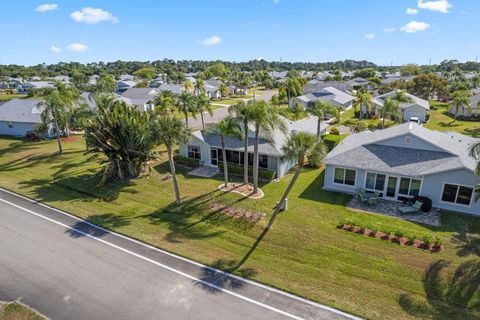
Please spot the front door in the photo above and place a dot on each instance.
(391, 188)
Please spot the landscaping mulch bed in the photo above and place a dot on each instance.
(243, 189)
(425, 244)
(71, 139)
(249, 216)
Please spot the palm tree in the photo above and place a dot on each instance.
(186, 103)
(299, 147)
(243, 113)
(202, 104)
(391, 109)
(461, 101)
(265, 119)
(227, 127)
(322, 109)
(54, 113)
(199, 87)
(70, 95)
(223, 91)
(123, 135)
(358, 127)
(164, 102)
(171, 131)
(363, 100)
(188, 86)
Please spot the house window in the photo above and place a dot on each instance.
(409, 187)
(194, 152)
(457, 194)
(375, 181)
(344, 176)
(10, 124)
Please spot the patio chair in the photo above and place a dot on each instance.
(411, 209)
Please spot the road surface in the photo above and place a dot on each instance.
(66, 268)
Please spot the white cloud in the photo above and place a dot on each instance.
(211, 41)
(77, 47)
(415, 26)
(55, 49)
(91, 15)
(370, 36)
(390, 29)
(412, 11)
(46, 7)
(438, 5)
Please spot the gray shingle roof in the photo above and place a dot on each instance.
(380, 100)
(364, 151)
(173, 88)
(328, 94)
(21, 110)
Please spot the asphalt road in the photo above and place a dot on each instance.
(67, 268)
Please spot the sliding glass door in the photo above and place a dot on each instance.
(391, 188)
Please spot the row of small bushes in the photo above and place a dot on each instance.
(236, 169)
(189, 162)
(433, 244)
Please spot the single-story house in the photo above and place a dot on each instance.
(64, 79)
(463, 111)
(92, 80)
(205, 146)
(212, 88)
(278, 75)
(329, 94)
(317, 85)
(141, 98)
(405, 161)
(124, 85)
(172, 87)
(416, 108)
(127, 77)
(157, 81)
(20, 116)
(26, 87)
(359, 82)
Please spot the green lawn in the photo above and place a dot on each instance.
(303, 253)
(348, 118)
(226, 101)
(6, 97)
(441, 120)
(17, 311)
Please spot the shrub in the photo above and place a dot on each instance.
(399, 233)
(427, 240)
(189, 162)
(236, 169)
(334, 131)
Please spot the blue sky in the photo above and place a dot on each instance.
(380, 31)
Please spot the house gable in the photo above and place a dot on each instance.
(409, 140)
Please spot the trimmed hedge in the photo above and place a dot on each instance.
(237, 169)
(189, 162)
(331, 140)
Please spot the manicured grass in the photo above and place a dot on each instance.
(6, 97)
(17, 311)
(441, 120)
(303, 252)
(226, 101)
(348, 118)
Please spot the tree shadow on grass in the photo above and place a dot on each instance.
(467, 244)
(455, 296)
(195, 219)
(77, 187)
(213, 280)
(474, 132)
(107, 221)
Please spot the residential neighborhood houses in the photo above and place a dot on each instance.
(327, 151)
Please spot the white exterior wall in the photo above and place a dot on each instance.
(18, 129)
(415, 111)
(432, 188)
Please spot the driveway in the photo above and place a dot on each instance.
(67, 268)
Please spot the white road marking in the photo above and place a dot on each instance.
(292, 296)
(157, 263)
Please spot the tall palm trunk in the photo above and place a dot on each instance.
(174, 174)
(60, 149)
(245, 154)
(224, 156)
(186, 119)
(319, 128)
(360, 113)
(383, 121)
(201, 117)
(284, 197)
(255, 162)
